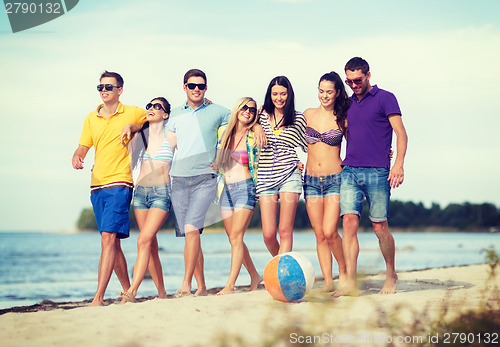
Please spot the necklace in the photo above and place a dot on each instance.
(277, 124)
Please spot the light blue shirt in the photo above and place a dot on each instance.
(196, 132)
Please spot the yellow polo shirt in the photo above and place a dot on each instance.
(112, 162)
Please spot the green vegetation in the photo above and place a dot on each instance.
(464, 216)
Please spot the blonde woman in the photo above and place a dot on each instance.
(236, 160)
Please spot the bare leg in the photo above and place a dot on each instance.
(154, 266)
(149, 226)
(156, 270)
(192, 250)
(106, 265)
(235, 225)
(121, 266)
(331, 217)
(199, 275)
(386, 242)
(350, 246)
(255, 278)
(315, 210)
(268, 212)
(288, 207)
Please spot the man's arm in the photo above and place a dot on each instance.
(78, 157)
(127, 132)
(396, 175)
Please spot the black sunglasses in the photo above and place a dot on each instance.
(157, 106)
(354, 81)
(250, 109)
(108, 87)
(201, 86)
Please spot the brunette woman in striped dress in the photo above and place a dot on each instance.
(279, 177)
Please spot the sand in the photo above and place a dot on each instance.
(255, 318)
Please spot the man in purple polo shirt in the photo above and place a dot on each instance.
(372, 117)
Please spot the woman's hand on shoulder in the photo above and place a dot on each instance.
(260, 135)
(301, 167)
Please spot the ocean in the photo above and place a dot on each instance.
(62, 267)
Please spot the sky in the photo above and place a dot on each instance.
(440, 59)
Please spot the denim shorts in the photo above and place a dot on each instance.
(238, 195)
(111, 208)
(191, 198)
(292, 184)
(321, 186)
(152, 197)
(369, 182)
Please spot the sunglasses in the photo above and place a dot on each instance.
(157, 106)
(201, 86)
(250, 109)
(108, 87)
(354, 81)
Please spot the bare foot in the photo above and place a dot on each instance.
(184, 290)
(390, 284)
(126, 297)
(255, 281)
(95, 303)
(346, 290)
(162, 294)
(328, 287)
(201, 292)
(226, 290)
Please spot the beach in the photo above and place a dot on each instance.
(255, 318)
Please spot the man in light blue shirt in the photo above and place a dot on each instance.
(194, 182)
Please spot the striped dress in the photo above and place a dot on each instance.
(279, 159)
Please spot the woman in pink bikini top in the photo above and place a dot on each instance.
(236, 161)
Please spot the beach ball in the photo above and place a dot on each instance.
(288, 276)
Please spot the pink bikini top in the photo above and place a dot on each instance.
(240, 157)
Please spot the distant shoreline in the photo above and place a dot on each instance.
(258, 230)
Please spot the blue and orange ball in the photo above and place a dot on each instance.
(288, 276)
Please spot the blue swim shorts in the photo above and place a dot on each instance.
(369, 182)
(111, 207)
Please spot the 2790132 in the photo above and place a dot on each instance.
(25, 8)
(464, 338)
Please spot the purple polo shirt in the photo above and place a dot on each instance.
(369, 133)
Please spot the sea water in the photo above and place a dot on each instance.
(63, 267)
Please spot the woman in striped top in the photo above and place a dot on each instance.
(279, 177)
(326, 125)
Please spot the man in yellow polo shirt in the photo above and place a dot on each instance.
(111, 183)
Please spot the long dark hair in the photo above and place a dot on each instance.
(342, 103)
(289, 109)
(140, 142)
